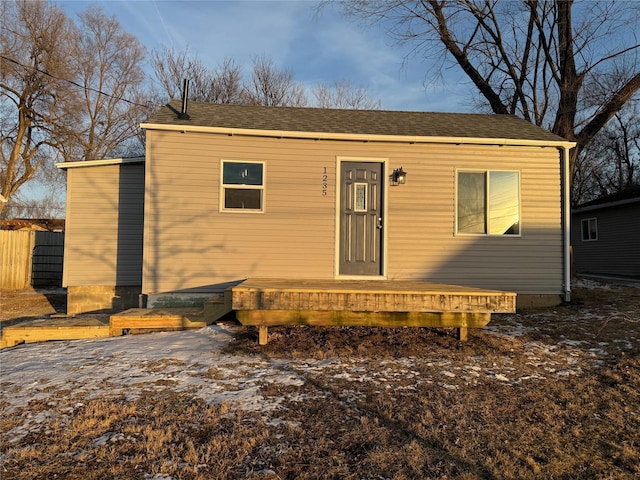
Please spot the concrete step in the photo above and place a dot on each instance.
(217, 307)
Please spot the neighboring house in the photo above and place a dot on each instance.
(605, 233)
(235, 191)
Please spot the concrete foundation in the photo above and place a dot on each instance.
(101, 298)
(537, 301)
(178, 300)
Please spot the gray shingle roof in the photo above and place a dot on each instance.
(357, 122)
(628, 194)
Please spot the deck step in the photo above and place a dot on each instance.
(58, 329)
(157, 319)
(134, 320)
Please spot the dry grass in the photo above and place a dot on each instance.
(560, 400)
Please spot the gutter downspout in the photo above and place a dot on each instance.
(566, 222)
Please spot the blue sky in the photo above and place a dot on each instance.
(315, 46)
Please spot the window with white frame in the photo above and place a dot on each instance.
(589, 228)
(242, 186)
(488, 202)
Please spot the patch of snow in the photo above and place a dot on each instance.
(449, 387)
(276, 422)
(195, 362)
(499, 376)
(590, 284)
(573, 343)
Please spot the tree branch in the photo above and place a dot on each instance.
(463, 60)
(608, 110)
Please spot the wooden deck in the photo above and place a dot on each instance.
(268, 302)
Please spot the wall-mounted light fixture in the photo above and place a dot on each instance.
(398, 177)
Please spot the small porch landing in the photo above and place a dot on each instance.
(269, 302)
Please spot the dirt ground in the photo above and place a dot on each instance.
(548, 393)
(18, 305)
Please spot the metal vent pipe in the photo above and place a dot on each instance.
(183, 115)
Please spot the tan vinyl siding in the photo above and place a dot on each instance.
(197, 245)
(104, 225)
(430, 248)
(189, 243)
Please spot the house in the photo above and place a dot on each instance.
(230, 192)
(605, 232)
(104, 228)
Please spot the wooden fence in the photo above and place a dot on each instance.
(30, 259)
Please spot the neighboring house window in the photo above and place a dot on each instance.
(488, 203)
(589, 229)
(242, 186)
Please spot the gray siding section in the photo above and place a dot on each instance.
(617, 249)
(105, 207)
(190, 244)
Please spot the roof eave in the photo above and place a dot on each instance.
(601, 206)
(356, 136)
(98, 163)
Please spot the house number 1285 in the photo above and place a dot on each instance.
(325, 182)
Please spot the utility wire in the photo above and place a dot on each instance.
(91, 89)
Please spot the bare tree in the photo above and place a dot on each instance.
(343, 95)
(272, 86)
(67, 92)
(268, 84)
(170, 67)
(108, 65)
(220, 85)
(226, 84)
(611, 161)
(47, 205)
(530, 58)
(35, 39)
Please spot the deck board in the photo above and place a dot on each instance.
(368, 296)
(268, 302)
(45, 329)
(363, 319)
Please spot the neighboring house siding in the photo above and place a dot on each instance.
(104, 225)
(189, 243)
(616, 251)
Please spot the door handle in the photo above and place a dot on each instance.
(379, 224)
